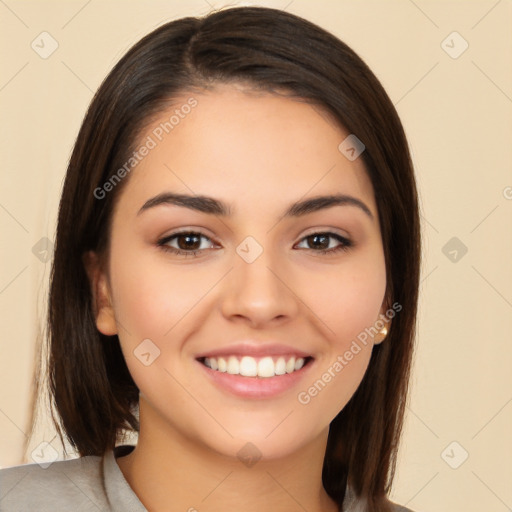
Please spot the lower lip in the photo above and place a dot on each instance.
(256, 387)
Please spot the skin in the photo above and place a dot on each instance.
(259, 153)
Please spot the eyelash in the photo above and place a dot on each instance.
(345, 243)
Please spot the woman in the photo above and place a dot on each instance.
(235, 278)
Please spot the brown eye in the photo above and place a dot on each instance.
(186, 243)
(326, 243)
(318, 241)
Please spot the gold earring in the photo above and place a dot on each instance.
(381, 336)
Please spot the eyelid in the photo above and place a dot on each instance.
(189, 229)
(326, 229)
(200, 231)
(186, 231)
(345, 242)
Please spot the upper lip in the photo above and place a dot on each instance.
(254, 349)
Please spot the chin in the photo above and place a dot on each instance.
(260, 442)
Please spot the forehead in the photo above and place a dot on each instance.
(244, 146)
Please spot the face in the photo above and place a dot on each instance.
(237, 314)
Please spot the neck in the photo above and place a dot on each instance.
(167, 469)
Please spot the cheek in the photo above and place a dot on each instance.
(151, 297)
(347, 298)
(156, 301)
(348, 303)
(149, 303)
(334, 384)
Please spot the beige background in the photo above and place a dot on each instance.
(457, 113)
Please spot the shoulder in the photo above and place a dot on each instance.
(76, 482)
(355, 504)
(400, 508)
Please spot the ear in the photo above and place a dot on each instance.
(101, 295)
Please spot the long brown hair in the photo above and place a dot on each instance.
(93, 395)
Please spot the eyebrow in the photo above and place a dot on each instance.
(213, 206)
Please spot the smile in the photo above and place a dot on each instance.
(248, 366)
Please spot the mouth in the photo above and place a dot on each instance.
(256, 377)
(256, 367)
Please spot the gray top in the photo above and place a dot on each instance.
(84, 484)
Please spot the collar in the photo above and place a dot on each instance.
(120, 495)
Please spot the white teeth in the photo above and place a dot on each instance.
(233, 365)
(290, 365)
(299, 363)
(248, 366)
(266, 367)
(221, 363)
(280, 368)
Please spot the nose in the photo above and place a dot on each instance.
(259, 293)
